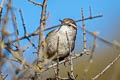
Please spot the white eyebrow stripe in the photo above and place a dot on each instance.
(73, 25)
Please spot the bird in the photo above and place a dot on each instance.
(67, 36)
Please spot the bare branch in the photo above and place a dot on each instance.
(32, 43)
(106, 68)
(3, 77)
(16, 56)
(41, 30)
(102, 39)
(23, 23)
(1, 5)
(1, 8)
(71, 76)
(16, 31)
(90, 10)
(5, 20)
(35, 3)
(84, 33)
(63, 61)
(88, 18)
(25, 31)
(57, 67)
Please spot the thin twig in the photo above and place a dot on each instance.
(79, 20)
(23, 23)
(89, 18)
(71, 61)
(25, 31)
(32, 43)
(90, 10)
(5, 20)
(57, 67)
(106, 68)
(93, 48)
(35, 3)
(54, 68)
(3, 77)
(84, 33)
(1, 8)
(1, 5)
(16, 31)
(16, 56)
(102, 39)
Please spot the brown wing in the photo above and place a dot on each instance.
(50, 40)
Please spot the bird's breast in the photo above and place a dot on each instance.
(64, 44)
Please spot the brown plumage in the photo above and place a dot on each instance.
(68, 26)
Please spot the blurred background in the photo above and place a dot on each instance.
(107, 27)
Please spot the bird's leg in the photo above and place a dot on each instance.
(66, 60)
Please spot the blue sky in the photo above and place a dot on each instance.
(60, 9)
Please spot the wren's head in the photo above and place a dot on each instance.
(68, 22)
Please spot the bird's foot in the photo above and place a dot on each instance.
(38, 67)
(85, 51)
(66, 60)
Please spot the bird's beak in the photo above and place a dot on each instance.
(60, 20)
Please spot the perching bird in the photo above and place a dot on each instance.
(67, 35)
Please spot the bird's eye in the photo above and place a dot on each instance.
(69, 25)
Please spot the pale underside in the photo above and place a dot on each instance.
(66, 42)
